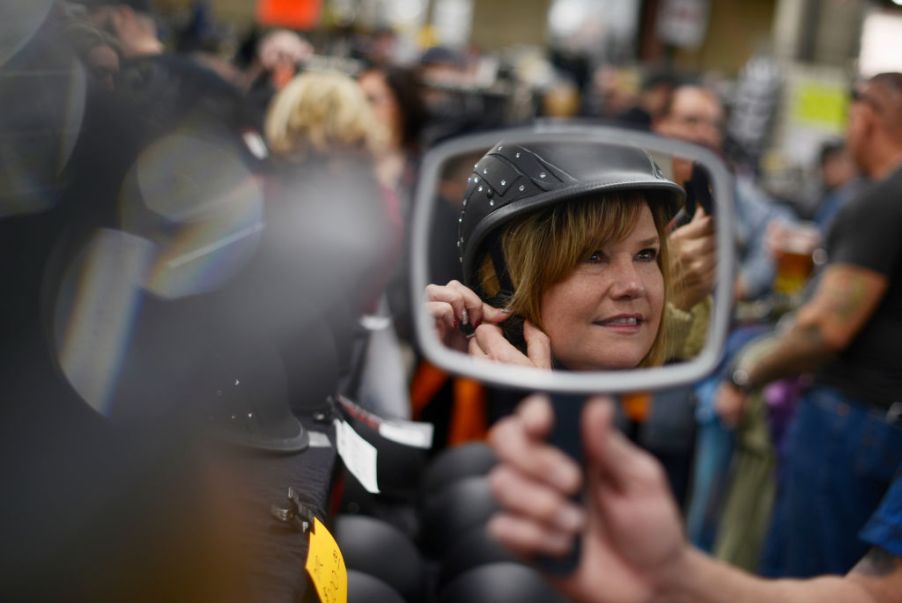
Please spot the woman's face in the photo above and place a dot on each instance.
(383, 101)
(606, 313)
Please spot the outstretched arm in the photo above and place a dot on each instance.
(633, 547)
(844, 301)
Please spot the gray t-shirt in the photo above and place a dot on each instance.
(868, 233)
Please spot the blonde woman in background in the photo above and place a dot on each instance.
(324, 138)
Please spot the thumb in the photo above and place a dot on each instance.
(621, 463)
(538, 346)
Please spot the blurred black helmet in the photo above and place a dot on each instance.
(511, 180)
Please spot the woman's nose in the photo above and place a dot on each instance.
(627, 282)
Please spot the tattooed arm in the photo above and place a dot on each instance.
(880, 574)
(827, 324)
(876, 579)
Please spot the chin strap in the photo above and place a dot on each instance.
(496, 252)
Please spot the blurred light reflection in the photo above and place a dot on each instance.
(95, 312)
(203, 208)
(42, 118)
(21, 20)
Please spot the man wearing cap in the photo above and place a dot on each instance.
(845, 442)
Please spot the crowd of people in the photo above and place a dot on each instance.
(177, 223)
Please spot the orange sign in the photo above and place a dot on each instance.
(293, 14)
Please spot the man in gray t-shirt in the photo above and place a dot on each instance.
(845, 442)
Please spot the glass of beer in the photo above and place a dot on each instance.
(794, 248)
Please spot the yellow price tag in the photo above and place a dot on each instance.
(326, 566)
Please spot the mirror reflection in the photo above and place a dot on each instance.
(577, 256)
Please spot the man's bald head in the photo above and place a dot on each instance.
(874, 134)
(885, 89)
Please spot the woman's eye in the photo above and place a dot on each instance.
(596, 258)
(647, 255)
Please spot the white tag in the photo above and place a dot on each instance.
(318, 439)
(359, 456)
(409, 433)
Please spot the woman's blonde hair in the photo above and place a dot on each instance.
(318, 113)
(544, 247)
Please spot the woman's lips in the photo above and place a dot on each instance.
(622, 322)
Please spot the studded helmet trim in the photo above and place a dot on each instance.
(511, 180)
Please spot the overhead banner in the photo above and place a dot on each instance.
(293, 14)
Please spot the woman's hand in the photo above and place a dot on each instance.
(693, 261)
(455, 305)
(488, 342)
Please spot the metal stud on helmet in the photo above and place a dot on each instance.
(511, 180)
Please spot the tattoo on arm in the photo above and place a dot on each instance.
(846, 298)
(877, 562)
(801, 350)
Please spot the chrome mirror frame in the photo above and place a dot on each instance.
(520, 377)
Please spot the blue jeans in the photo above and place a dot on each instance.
(840, 458)
(710, 482)
(714, 449)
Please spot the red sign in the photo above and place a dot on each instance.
(293, 14)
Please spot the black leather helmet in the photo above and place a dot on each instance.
(511, 180)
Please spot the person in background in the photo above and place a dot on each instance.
(845, 440)
(395, 94)
(168, 91)
(278, 57)
(840, 180)
(130, 22)
(654, 97)
(616, 89)
(695, 114)
(323, 136)
(97, 49)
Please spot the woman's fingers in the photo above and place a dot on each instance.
(491, 342)
(538, 346)
(469, 309)
(446, 324)
(493, 315)
(452, 296)
(443, 313)
(472, 311)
